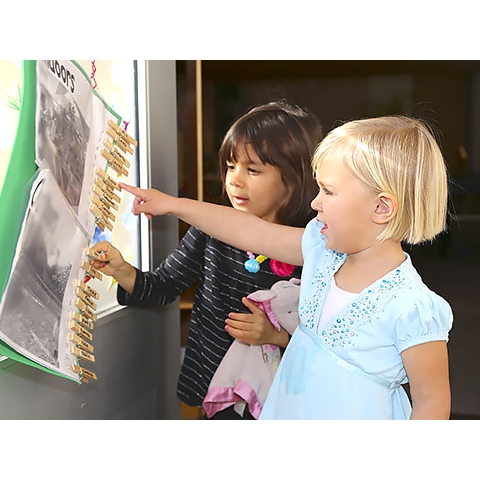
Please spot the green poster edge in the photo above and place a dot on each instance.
(20, 170)
(7, 351)
(105, 104)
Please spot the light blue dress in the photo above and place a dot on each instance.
(350, 367)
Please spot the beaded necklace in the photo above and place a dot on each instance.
(281, 269)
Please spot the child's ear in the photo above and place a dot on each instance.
(386, 208)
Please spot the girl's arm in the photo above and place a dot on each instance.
(427, 370)
(239, 229)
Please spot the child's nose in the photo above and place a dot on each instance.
(316, 203)
(236, 178)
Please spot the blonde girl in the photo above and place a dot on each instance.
(368, 324)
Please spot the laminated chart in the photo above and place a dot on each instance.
(48, 309)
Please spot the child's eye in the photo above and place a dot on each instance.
(326, 191)
(253, 171)
(230, 166)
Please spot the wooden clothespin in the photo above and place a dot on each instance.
(119, 140)
(74, 326)
(86, 288)
(116, 154)
(78, 352)
(108, 180)
(114, 162)
(85, 309)
(104, 196)
(101, 220)
(80, 342)
(83, 320)
(86, 299)
(104, 209)
(84, 373)
(122, 133)
(93, 272)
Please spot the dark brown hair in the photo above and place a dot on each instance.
(284, 136)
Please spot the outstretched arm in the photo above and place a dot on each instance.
(239, 229)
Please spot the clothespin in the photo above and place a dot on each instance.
(120, 141)
(101, 220)
(85, 309)
(108, 179)
(105, 196)
(78, 352)
(84, 373)
(80, 342)
(74, 326)
(114, 162)
(122, 133)
(87, 289)
(86, 299)
(113, 150)
(93, 272)
(83, 320)
(104, 209)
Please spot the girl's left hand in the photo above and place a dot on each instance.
(254, 328)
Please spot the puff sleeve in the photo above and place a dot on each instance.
(426, 319)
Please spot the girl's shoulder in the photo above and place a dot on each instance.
(421, 314)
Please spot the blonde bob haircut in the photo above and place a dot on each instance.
(400, 156)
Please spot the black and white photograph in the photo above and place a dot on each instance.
(48, 254)
(62, 140)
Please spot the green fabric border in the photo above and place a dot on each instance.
(20, 170)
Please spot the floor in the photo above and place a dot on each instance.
(191, 413)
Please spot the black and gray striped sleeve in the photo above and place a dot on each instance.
(172, 277)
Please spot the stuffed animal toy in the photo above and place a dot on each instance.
(246, 372)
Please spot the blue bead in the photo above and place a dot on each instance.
(252, 265)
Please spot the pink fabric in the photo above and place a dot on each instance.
(246, 371)
(266, 306)
(219, 398)
(281, 269)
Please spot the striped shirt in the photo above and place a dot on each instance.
(222, 282)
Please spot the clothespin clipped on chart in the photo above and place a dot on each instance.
(104, 199)
(83, 332)
(93, 272)
(103, 209)
(116, 154)
(83, 320)
(101, 218)
(108, 180)
(104, 196)
(85, 309)
(80, 342)
(106, 188)
(115, 162)
(121, 140)
(87, 289)
(85, 298)
(82, 354)
(84, 374)
(120, 133)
